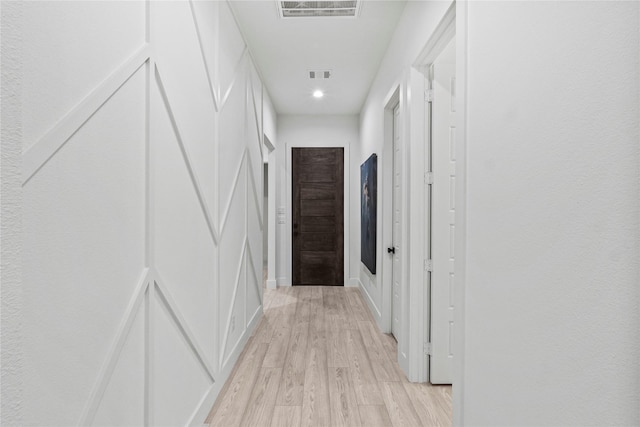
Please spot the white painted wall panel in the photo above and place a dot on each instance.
(231, 48)
(179, 380)
(184, 251)
(186, 81)
(84, 252)
(69, 48)
(126, 310)
(123, 400)
(552, 214)
(232, 247)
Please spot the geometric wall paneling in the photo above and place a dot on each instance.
(184, 248)
(179, 379)
(254, 229)
(232, 50)
(255, 98)
(151, 246)
(163, 292)
(66, 58)
(185, 80)
(235, 320)
(46, 147)
(231, 258)
(205, 21)
(254, 289)
(123, 400)
(133, 316)
(231, 145)
(255, 185)
(187, 160)
(78, 273)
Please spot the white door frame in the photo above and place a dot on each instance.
(417, 326)
(385, 184)
(453, 23)
(347, 198)
(271, 213)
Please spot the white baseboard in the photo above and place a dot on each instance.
(372, 305)
(283, 281)
(272, 284)
(354, 282)
(206, 403)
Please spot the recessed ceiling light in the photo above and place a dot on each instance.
(318, 94)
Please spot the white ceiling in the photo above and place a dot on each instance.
(285, 50)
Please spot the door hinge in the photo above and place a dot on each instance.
(428, 265)
(428, 178)
(427, 348)
(428, 95)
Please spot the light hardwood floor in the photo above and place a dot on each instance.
(317, 358)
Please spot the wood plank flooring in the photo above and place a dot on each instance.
(317, 358)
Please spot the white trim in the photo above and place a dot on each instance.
(36, 156)
(442, 35)
(346, 217)
(282, 282)
(208, 399)
(182, 325)
(223, 347)
(415, 127)
(113, 355)
(252, 180)
(462, 45)
(385, 200)
(353, 282)
(227, 208)
(214, 96)
(372, 305)
(271, 217)
(187, 158)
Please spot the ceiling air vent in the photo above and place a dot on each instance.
(316, 9)
(322, 75)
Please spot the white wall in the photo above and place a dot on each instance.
(142, 210)
(11, 353)
(416, 25)
(552, 225)
(317, 131)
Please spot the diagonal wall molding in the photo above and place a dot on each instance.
(113, 355)
(187, 159)
(233, 302)
(257, 117)
(182, 325)
(234, 186)
(34, 158)
(236, 73)
(253, 272)
(215, 95)
(254, 188)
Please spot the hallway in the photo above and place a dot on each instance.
(318, 359)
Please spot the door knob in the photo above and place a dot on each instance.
(391, 250)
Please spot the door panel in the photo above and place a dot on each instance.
(443, 215)
(397, 203)
(318, 210)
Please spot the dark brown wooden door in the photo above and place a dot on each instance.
(318, 216)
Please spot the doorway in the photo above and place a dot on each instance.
(317, 176)
(396, 230)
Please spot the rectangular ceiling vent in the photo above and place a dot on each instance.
(322, 75)
(319, 9)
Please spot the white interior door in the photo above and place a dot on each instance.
(443, 215)
(397, 203)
